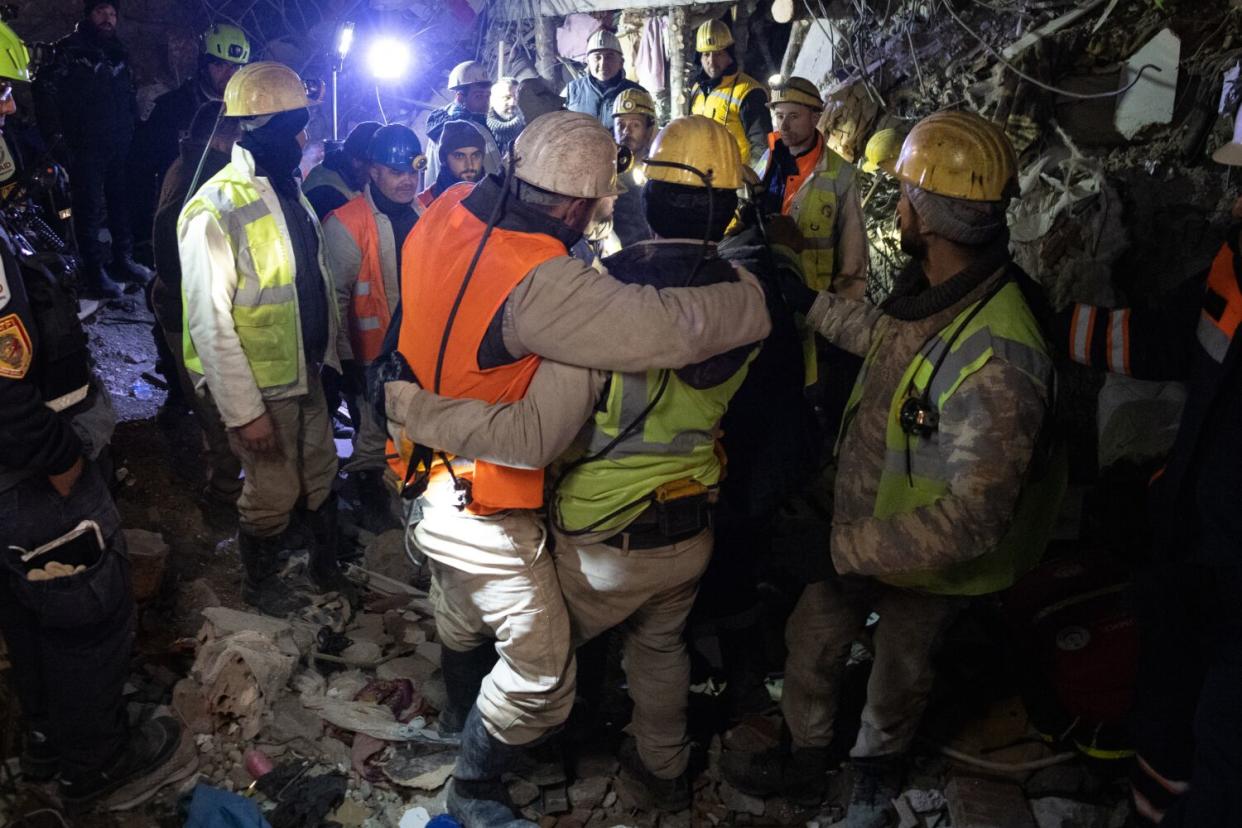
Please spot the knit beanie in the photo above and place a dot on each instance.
(359, 139)
(91, 5)
(956, 219)
(459, 134)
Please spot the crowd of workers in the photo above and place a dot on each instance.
(602, 361)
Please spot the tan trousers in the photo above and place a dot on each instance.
(493, 580)
(223, 467)
(648, 593)
(828, 618)
(303, 466)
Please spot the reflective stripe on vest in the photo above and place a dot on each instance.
(369, 315)
(445, 239)
(265, 312)
(676, 441)
(724, 106)
(917, 473)
(1222, 307)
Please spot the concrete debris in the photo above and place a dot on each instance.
(415, 818)
(924, 801)
(371, 719)
(1151, 98)
(423, 767)
(588, 793)
(1055, 812)
(522, 792)
(985, 803)
(735, 800)
(241, 674)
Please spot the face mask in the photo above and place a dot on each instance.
(276, 150)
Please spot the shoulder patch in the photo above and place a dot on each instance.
(5, 294)
(16, 351)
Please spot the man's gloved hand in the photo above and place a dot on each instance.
(390, 367)
(797, 295)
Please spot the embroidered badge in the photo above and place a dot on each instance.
(16, 351)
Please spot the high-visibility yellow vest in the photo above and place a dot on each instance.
(265, 308)
(915, 471)
(724, 105)
(814, 207)
(676, 441)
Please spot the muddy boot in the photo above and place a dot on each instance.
(651, 791)
(97, 284)
(476, 796)
(325, 569)
(463, 675)
(376, 510)
(262, 587)
(149, 746)
(877, 782)
(127, 270)
(796, 774)
(38, 761)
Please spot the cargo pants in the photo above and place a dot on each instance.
(829, 616)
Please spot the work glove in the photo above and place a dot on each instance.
(797, 295)
(390, 367)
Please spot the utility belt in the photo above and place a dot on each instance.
(678, 511)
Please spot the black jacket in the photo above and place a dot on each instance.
(1191, 337)
(166, 291)
(43, 357)
(87, 95)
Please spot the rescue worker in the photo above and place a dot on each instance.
(504, 119)
(471, 85)
(211, 141)
(462, 149)
(595, 93)
(948, 484)
(727, 95)
(630, 511)
(85, 107)
(494, 584)
(1187, 728)
(343, 173)
(260, 320)
(633, 127)
(222, 50)
(804, 179)
(69, 638)
(364, 240)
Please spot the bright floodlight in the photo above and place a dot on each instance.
(345, 39)
(388, 58)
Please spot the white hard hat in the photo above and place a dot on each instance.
(602, 40)
(569, 153)
(468, 73)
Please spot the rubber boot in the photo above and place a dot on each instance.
(97, 284)
(149, 746)
(325, 570)
(375, 502)
(877, 782)
(476, 796)
(796, 774)
(463, 676)
(127, 270)
(262, 587)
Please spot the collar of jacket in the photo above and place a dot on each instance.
(708, 83)
(664, 263)
(604, 87)
(913, 299)
(516, 216)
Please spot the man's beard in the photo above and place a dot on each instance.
(913, 244)
(469, 175)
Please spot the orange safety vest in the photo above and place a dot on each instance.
(369, 315)
(445, 239)
(806, 165)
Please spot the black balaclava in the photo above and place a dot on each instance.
(276, 150)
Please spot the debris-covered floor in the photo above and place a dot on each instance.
(334, 706)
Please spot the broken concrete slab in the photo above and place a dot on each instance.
(588, 792)
(290, 720)
(419, 766)
(986, 803)
(413, 667)
(1057, 812)
(1150, 100)
(742, 803)
(191, 706)
(522, 792)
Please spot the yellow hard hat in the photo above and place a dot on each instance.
(569, 153)
(265, 88)
(634, 102)
(882, 151)
(224, 41)
(796, 90)
(700, 143)
(712, 36)
(960, 155)
(14, 58)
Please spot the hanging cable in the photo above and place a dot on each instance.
(1064, 92)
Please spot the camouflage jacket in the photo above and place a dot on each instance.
(988, 432)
